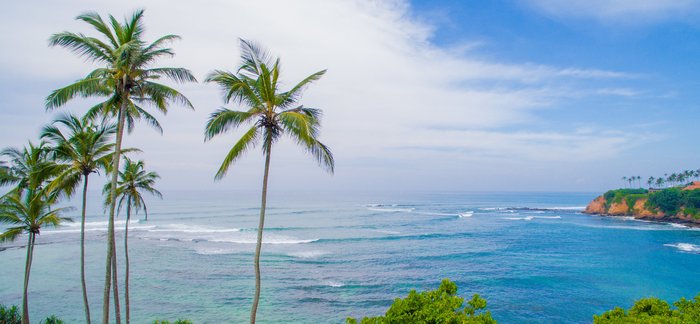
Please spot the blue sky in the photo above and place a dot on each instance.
(539, 95)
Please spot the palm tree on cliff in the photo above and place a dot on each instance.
(650, 181)
(624, 179)
(128, 81)
(270, 114)
(85, 149)
(133, 180)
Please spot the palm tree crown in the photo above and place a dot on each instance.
(133, 180)
(272, 113)
(86, 148)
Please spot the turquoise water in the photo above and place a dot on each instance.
(533, 256)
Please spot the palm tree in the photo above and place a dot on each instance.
(86, 148)
(27, 207)
(650, 181)
(624, 179)
(127, 79)
(133, 179)
(27, 213)
(24, 164)
(272, 114)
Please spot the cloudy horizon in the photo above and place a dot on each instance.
(418, 95)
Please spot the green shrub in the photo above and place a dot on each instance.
(692, 198)
(616, 196)
(53, 320)
(436, 306)
(667, 200)
(653, 310)
(180, 321)
(10, 315)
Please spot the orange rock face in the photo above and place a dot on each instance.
(640, 211)
(619, 209)
(694, 185)
(597, 206)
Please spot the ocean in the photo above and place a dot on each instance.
(533, 256)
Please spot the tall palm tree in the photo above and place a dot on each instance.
(270, 114)
(85, 148)
(127, 79)
(650, 181)
(133, 180)
(27, 207)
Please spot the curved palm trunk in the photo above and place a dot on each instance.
(126, 258)
(258, 245)
(27, 269)
(82, 251)
(115, 287)
(112, 203)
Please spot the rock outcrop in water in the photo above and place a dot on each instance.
(673, 205)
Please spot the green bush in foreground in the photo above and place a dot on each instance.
(180, 321)
(653, 310)
(10, 315)
(436, 306)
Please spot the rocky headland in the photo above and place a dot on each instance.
(673, 205)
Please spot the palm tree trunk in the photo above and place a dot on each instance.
(258, 245)
(115, 287)
(82, 251)
(112, 203)
(126, 258)
(27, 269)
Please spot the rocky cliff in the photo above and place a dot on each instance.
(617, 203)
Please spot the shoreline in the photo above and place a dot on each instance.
(661, 220)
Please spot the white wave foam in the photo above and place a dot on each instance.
(391, 210)
(386, 231)
(468, 213)
(213, 251)
(307, 254)
(564, 208)
(192, 229)
(679, 226)
(334, 284)
(527, 218)
(265, 241)
(685, 247)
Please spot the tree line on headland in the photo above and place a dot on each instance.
(673, 179)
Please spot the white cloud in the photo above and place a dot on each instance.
(385, 83)
(615, 11)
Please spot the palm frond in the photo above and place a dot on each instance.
(246, 142)
(223, 119)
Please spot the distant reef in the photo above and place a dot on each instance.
(672, 205)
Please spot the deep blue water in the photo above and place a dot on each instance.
(337, 255)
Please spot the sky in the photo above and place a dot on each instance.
(512, 95)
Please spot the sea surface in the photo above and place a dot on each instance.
(326, 256)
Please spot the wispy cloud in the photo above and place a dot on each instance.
(616, 11)
(385, 80)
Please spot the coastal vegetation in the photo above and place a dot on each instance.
(671, 202)
(126, 79)
(653, 310)
(133, 181)
(85, 149)
(272, 113)
(668, 180)
(434, 306)
(29, 207)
